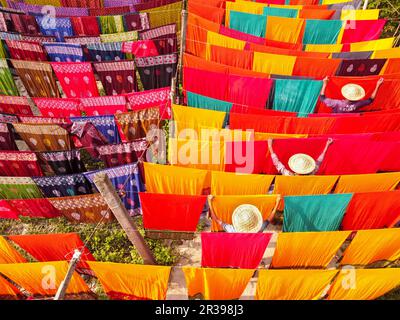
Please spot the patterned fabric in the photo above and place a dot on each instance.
(82, 3)
(141, 48)
(38, 39)
(111, 11)
(63, 186)
(42, 120)
(8, 118)
(136, 21)
(37, 78)
(24, 24)
(109, 51)
(83, 40)
(62, 162)
(111, 24)
(104, 124)
(164, 38)
(10, 36)
(123, 153)
(152, 98)
(85, 26)
(19, 164)
(18, 188)
(24, 50)
(126, 180)
(7, 84)
(156, 72)
(76, 79)
(64, 52)
(136, 124)
(15, 105)
(7, 141)
(360, 67)
(43, 137)
(88, 208)
(57, 27)
(117, 77)
(105, 105)
(58, 107)
(35, 208)
(119, 37)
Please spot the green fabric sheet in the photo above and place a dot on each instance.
(280, 12)
(322, 31)
(253, 24)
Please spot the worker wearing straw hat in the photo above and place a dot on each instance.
(300, 163)
(246, 218)
(353, 97)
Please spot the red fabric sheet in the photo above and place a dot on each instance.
(35, 208)
(233, 250)
(363, 30)
(390, 162)
(171, 212)
(380, 123)
(7, 211)
(19, 164)
(15, 105)
(58, 107)
(150, 99)
(206, 11)
(315, 68)
(54, 247)
(241, 35)
(261, 111)
(106, 105)
(372, 210)
(232, 57)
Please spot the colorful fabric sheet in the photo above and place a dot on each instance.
(8, 291)
(58, 27)
(62, 162)
(293, 284)
(322, 31)
(249, 23)
(273, 63)
(109, 51)
(284, 29)
(58, 107)
(111, 24)
(35, 208)
(25, 50)
(7, 141)
(7, 84)
(104, 105)
(363, 30)
(83, 209)
(232, 57)
(63, 186)
(126, 180)
(174, 180)
(15, 105)
(315, 213)
(367, 182)
(85, 26)
(76, 79)
(19, 164)
(360, 68)
(216, 284)
(317, 68)
(132, 282)
(200, 101)
(372, 210)
(18, 188)
(7, 211)
(233, 250)
(152, 98)
(64, 52)
(8, 254)
(117, 77)
(317, 249)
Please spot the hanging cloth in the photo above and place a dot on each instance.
(62, 162)
(18, 188)
(15, 105)
(64, 52)
(58, 107)
(35, 208)
(63, 186)
(19, 164)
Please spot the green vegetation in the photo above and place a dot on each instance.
(390, 9)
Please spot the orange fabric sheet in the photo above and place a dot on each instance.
(317, 14)
(293, 284)
(284, 29)
(307, 249)
(232, 57)
(364, 284)
(368, 182)
(215, 283)
(8, 290)
(129, 281)
(315, 68)
(290, 52)
(43, 278)
(223, 206)
(392, 66)
(369, 246)
(206, 11)
(8, 254)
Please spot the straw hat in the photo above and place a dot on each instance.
(247, 218)
(353, 92)
(301, 163)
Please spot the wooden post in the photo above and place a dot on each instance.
(182, 49)
(365, 5)
(71, 269)
(103, 184)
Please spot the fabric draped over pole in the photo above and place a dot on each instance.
(19, 164)
(8, 254)
(368, 182)
(56, 107)
(249, 23)
(18, 188)
(322, 31)
(34, 208)
(284, 29)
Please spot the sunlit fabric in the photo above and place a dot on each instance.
(217, 39)
(18, 188)
(316, 14)
(249, 23)
(296, 95)
(216, 284)
(360, 67)
(233, 250)
(131, 281)
(372, 210)
(293, 284)
(363, 30)
(317, 249)
(368, 182)
(315, 68)
(243, 6)
(173, 180)
(34, 208)
(205, 10)
(58, 107)
(324, 47)
(225, 183)
(372, 14)
(314, 213)
(249, 38)
(223, 206)
(284, 29)
(273, 63)
(386, 53)
(8, 291)
(364, 284)
(170, 212)
(380, 44)
(19, 164)
(322, 31)
(392, 66)
(281, 12)
(232, 57)
(204, 102)
(43, 278)
(8, 254)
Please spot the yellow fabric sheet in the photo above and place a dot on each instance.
(369, 246)
(368, 182)
(386, 54)
(307, 249)
(371, 14)
(364, 284)
(54, 3)
(174, 180)
(141, 281)
(195, 119)
(223, 206)
(164, 15)
(293, 284)
(380, 44)
(258, 136)
(243, 6)
(284, 29)
(333, 1)
(303, 185)
(8, 254)
(43, 278)
(227, 183)
(328, 48)
(198, 154)
(273, 63)
(216, 39)
(215, 283)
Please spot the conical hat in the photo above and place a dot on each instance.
(353, 92)
(247, 218)
(301, 163)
